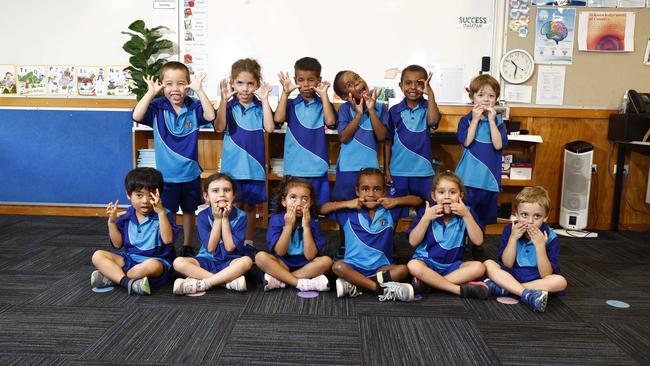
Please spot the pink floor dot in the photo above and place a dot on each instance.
(307, 294)
(507, 300)
(197, 294)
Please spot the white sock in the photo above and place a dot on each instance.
(248, 242)
(302, 284)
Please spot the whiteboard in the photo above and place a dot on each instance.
(366, 36)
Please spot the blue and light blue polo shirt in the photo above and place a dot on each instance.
(204, 222)
(480, 164)
(243, 155)
(295, 256)
(305, 146)
(176, 138)
(360, 151)
(525, 266)
(411, 152)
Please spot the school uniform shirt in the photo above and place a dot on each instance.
(295, 256)
(480, 164)
(411, 152)
(176, 138)
(305, 146)
(525, 266)
(360, 151)
(443, 243)
(142, 241)
(368, 242)
(204, 222)
(243, 155)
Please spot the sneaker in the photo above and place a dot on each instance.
(319, 283)
(344, 287)
(140, 287)
(474, 291)
(536, 299)
(397, 291)
(187, 251)
(98, 280)
(495, 290)
(238, 284)
(419, 287)
(271, 283)
(184, 286)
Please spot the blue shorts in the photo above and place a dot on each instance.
(523, 275)
(404, 186)
(131, 260)
(187, 195)
(321, 188)
(441, 269)
(345, 185)
(251, 192)
(212, 265)
(484, 203)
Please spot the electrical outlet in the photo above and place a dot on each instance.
(593, 168)
(626, 169)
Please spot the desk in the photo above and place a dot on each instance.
(623, 148)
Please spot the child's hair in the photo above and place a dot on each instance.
(412, 68)
(175, 65)
(335, 84)
(219, 176)
(147, 178)
(288, 182)
(248, 65)
(482, 80)
(536, 194)
(371, 171)
(308, 64)
(450, 176)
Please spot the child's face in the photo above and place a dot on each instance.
(298, 197)
(370, 190)
(306, 81)
(141, 201)
(351, 83)
(245, 84)
(412, 85)
(531, 214)
(174, 83)
(446, 193)
(485, 97)
(219, 193)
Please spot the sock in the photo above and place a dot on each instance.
(124, 282)
(383, 277)
(203, 285)
(248, 242)
(380, 290)
(301, 284)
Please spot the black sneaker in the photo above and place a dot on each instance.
(187, 251)
(474, 291)
(418, 286)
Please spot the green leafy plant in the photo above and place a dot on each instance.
(145, 48)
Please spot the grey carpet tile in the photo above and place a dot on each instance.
(215, 299)
(53, 331)
(286, 339)
(74, 290)
(422, 341)
(160, 335)
(591, 274)
(590, 304)
(551, 343)
(432, 305)
(13, 360)
(55, 222)
(10, 255)
(491, 309)
(603, 252)
(3, 308)
(80, 239)
(287, 301)
(53, 259)
(633, 276)
(631, 336)
(21, 237)
(17, 288)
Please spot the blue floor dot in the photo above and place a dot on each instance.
(103, 289)
(617, 304)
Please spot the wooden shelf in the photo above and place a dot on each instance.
(516, 183)
(273, 176)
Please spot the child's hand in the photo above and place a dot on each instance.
(355, 203)
(477, 112)
(287, 85)
(426, 86)
(321, 89)
(157, 202)
(432, 212)
(226, 91)
(491, 114)
(358, 107)
(197, 82)
(387, 177)
(306, 216)
(112, 213)
(264, 91)
(226, 210)
(537, 236)
(153, 85)
(459, 208)
(387, 202)
(217, 212)
(371, 98)
(518, 230)
(290, 215)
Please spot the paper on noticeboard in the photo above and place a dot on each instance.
(550, 85)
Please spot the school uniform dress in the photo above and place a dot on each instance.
(177, 150)
(368, 242)
(243, 156)
(359, 152)
(525, 268)
(305, 145)
(480, 167)
(216, 261)
(442, 247)
(142, 241)
(295, 256)
(411, 155)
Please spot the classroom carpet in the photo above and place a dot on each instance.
(50, 316)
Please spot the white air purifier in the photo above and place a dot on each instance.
(576, 182)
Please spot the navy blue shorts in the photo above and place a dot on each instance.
(523, 275)
(212, 265)
(345, 186)
(251, 192)
(131, 260)
(321, 188)
(484, 203)
(441, 269)
(187, 195)
(404, 186)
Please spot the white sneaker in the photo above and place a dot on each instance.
(271, 283)
(184, 286)
(238, 284)
(97, 279)
(344, 287)
(319, 283)
(397, 291)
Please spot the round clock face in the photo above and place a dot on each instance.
(517, 66)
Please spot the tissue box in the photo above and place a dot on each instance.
(521, 171)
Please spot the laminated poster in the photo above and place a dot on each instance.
(7, 79)
(118, 81)
(606, 31)
(554, 35)
(91, 81)
(61, 80)
(32, 80)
